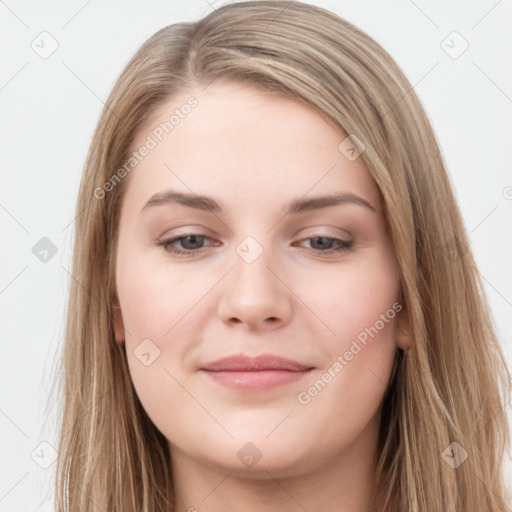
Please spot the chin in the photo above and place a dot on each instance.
(250, 452)
(248, 460)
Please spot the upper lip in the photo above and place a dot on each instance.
(243, 363)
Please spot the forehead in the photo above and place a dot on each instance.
(240, 142)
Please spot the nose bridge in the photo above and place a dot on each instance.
(251, 266)
(252, 292)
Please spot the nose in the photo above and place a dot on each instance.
(254, 295)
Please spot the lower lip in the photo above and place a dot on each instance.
(256, 380)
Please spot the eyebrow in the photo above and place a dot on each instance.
(298, 205)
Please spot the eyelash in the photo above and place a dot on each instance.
(344, 246)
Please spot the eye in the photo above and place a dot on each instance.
(193, 243)
(328, 245)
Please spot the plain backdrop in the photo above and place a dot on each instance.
(50, 104)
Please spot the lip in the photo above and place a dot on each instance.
(260, 373)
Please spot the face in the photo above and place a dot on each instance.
(301, 295)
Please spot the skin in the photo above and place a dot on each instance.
(254, 153)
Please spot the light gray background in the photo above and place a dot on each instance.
(49, 108)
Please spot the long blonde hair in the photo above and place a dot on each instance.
(449, 387)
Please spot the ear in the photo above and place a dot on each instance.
(118, 320)
(403, 331)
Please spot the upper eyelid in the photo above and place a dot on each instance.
(202, 232)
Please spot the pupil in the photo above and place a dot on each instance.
(194, 239)
(321, 238)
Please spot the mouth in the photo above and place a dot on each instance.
(245, 373)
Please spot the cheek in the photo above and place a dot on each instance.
(157, 299)
(161, 308)
(359, 304)
(352, 298)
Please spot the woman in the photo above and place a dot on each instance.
(274, 304)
